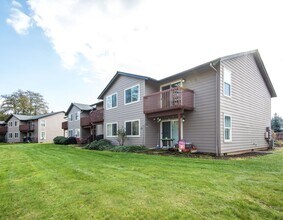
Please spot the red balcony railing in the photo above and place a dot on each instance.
(96, 116)
(171, 99)
(26, 128)
(3, 129)
(65, 125)
(85, 121)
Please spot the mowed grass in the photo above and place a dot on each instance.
(42, 181)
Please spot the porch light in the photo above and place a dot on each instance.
(183, 118)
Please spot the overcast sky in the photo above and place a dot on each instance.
(68, 50)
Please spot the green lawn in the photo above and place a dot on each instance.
(40, 181)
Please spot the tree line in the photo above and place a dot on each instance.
(22, 102)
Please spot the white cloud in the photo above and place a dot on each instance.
(19, 20)
(157, 38)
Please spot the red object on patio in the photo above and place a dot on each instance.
(186, 146)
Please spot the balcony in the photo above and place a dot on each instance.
(85, 121)
(168, 102)
(3, 130)
(96, 116)
(26, 128)
(65, 125)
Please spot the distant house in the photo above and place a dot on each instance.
(279, 136)
(222, 106)
(39, 128)
(3, 131)
(85, 122)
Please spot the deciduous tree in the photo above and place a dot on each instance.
(24, 102)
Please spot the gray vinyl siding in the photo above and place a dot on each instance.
(123, 112)
(72, 125)
(249, 105)
(13, 130)
(152, 134)
(200, 124)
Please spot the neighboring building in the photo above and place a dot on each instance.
(85, 122)
(279, 136)
(221, 106)
(3, 131)
(39, 128)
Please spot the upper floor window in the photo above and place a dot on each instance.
(16, 123)
(111, 101)
(10, 124)
(43, 123)
(111, 129)
(227, 128)
(132, 128)
(227, 82)
(70, 117)
(77, 115)
(132, 94)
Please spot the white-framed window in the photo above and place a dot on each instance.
(70, 117)
(112, 101)
(77, 133)
(227, 82)
(132, 128)
(77, 116)
(10, 135)
(16, 123)
(10, 124)
(42, 135)
(17, 135)
(112, 129)
(70, 133)
(132, 95)
(227, 128)
(43, 123)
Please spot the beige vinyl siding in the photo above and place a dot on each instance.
(52, 129)
(249, 105)
(124, 112)
(200, 124)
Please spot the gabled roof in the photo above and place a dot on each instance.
(204, 66)
(115, 77)
(82, 107)
(32, 117)
(260, 65)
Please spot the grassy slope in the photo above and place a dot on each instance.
(47, 181)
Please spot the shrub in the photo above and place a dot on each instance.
(102, 144)
(122, 136)
(128, 148)
(60, 140)
(71, 140)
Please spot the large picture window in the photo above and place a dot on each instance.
(111, 101)
(132, 128)
(132, 94)
(111, 129)
(227, 128)
(227, 82)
